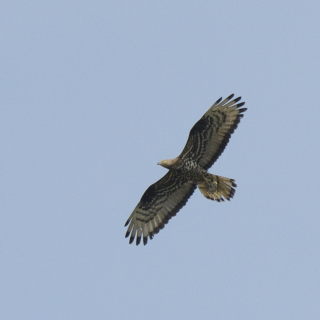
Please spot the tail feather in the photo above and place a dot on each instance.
(217, 188)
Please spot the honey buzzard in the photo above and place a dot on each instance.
(207, 140)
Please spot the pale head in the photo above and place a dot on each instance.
(168, 163)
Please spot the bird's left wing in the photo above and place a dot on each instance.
(161, 201)
(210, 135)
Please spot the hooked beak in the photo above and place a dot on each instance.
(159, 163)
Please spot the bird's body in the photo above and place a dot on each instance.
(207, 140)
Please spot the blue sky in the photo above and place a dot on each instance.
(93, 95)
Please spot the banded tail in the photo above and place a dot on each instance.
(217, 188)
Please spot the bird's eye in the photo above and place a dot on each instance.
(164, 161)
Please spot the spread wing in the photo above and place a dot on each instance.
(210, 135)
(161, 201)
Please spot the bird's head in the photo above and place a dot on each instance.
(163, 163)
(168, 163)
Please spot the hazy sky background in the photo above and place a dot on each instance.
(93, 95)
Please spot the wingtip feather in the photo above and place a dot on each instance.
(240, 104)
(127, 222)
(218, 101)
(237, 99)
(231, 96)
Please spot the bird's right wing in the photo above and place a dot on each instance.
(161, 201)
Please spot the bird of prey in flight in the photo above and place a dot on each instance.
(207, 140)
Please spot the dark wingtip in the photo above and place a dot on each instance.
(127, 234)
(218, 101)
(231, 96)
(131, 240)
(138, 241)
(145, 240)
(127, 222)
(233, 191)
(237, 99)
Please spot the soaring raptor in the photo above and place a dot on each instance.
(207, 140)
